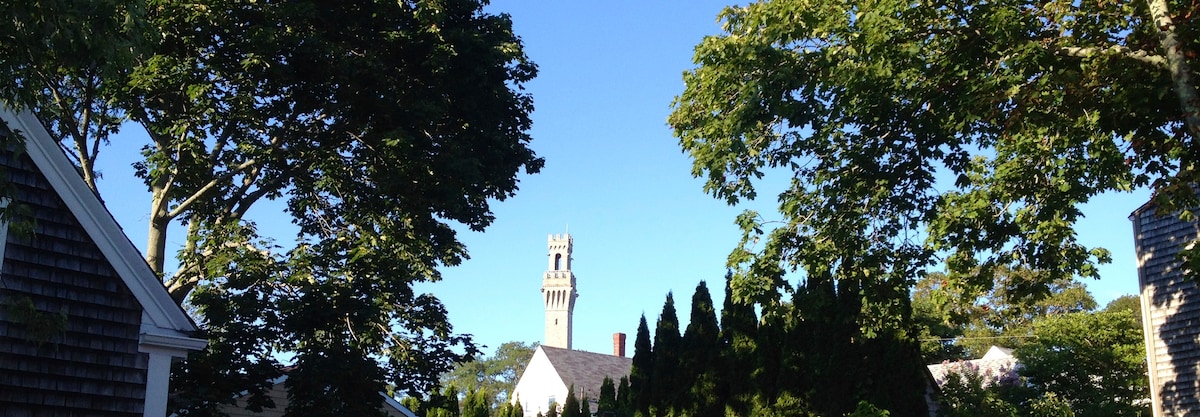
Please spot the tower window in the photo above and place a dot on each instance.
(557, 261)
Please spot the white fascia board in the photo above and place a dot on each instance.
(98, 222)
(177, 346)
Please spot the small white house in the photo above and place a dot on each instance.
(996, 366)
(552, 371)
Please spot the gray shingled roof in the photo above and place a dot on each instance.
(586, 370)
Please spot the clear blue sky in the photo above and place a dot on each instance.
(614, 175)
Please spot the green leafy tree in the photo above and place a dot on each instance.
(1093, 361)
(666, 389)
(967, 324)
(494, 374)
(376, 122)
(1128, 302)
(641, 371)
(939, 318)
(917, 133)
(967, 395)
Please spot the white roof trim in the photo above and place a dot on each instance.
(170, 343)
(125, 258)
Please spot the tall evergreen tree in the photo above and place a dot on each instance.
(700, 347)
(641, 371)
(444, 404)
(667, 387)
(505, 410)
(553, 411)
(607, 403)
(571, 405)
(624, 404)
(739, 325)
(476, 404)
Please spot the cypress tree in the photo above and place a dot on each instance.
(585, 409)
(505, 410)
(624, 406)
(666, 385)
(739, 325)
(518, 410)
(641, 372)
(553, 411)
(698, 371)
(475, 404)
(571, 406)
(607, 403)
(444, 404)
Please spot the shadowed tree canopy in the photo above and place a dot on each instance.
(919, 132)
(914, 134)
(375, 124)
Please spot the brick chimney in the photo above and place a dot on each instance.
(619, 344)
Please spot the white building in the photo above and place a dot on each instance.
(554, 367)
(552, 371)
(997, 365)
(558, 292)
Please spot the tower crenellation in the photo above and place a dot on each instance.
(558, 291)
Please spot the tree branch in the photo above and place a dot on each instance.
(1137, 55)
(203, 191)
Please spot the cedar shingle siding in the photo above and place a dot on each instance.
(1171, 311)
(93, 368)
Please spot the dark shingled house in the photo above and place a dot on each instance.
(86, 328)
(1170, 309)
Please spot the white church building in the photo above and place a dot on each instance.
(555, 367)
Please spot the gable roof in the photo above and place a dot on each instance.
(164, 324)
(586, 370)
(997, 365)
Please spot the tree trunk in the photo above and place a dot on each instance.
(1181, 74)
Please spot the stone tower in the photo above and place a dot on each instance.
(558, 292)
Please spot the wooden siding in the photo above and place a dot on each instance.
(93, 368)
(1171, 311)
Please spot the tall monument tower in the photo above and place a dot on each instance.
(558, 292)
